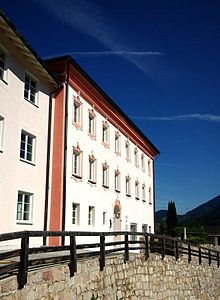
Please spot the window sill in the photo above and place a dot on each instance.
(118, 153)
(29, 101)
(137, 198)
(117, 191)
(24, 223)
(106, 145)
(128, 195)
(76, 176)
(28, 162)
(1, 151)
(78, 126)
(105, 186)
(4, 81)
(92, 136)
(92, 182)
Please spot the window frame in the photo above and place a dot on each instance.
(105, 175)
(149, 166)
(4, 68)
(117, 181)
(75, 214)
(136, 157)
(128, 186)
(143, 192)
(77, 109)
(25, 150)
(105, 134)
(31, 80)
(92, 174)
(77, 159)
(22, 211)
(91, 215)
(117, 143)
(127, 151)
(143, 166)
(150, 195)
(104, 218)
(92, 124)
(137, 190)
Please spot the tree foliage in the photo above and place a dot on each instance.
(172, 219)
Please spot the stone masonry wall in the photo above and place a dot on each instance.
(137, 279)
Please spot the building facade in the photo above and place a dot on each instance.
(26, 87)
(102, 176)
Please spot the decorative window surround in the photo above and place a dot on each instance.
(143, 193)
(91, 216)
(127, 151)
(75, 214)
(77, 162)
(149, 167)
(77, 112)
(105, 175)
(92, 124)
(27, 147)
(136, 160)
(137, 190)
(143, 167)
(24, 207)
(92, 169)
(150, 195)
(128, 186)
(30, 89)
(105, 134)
(104, 214)
(117, 181)
(117, 143)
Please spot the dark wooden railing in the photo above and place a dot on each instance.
(21, 260)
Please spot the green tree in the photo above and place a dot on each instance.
(172, 220)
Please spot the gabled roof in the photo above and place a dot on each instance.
(100, 90)
(17, 39)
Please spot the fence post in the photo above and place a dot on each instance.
(176, 250)
(210, 258)
(23, 269)
(189, 253)
(102, 252)
(126, 255)
(73, 257)
(200, 256)
(146, 247)
(162, 248)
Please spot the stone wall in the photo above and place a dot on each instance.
(137, 279)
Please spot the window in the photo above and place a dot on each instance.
(127, 150)
(150, 195)
(2, 65)
(136, 162)
(117, 181)
(133, 228)
(2, 125)
(77, 112)
(77, 162)
(128, 186)
(24, 207)
(27, 147)
(92, 169)
(142, 162)
(117, 143)
(92, 124)
(104, 217)
(105, 133)
(75, 214)
(149, 167)
(150, 229)
(137, 192)
(30, 89)
(143, 192)
(105, 175)
(144, 227)
(91, 216)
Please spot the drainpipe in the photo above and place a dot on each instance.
(59, 87)
(65, 151)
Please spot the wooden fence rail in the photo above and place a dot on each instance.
(21, 260)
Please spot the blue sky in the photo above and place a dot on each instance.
(159, 61)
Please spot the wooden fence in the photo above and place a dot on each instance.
(26, 258)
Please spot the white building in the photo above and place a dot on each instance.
(103, 165)
(25, 92)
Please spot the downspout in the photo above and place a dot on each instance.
(65, 151)
(154, 194)
(59, 87)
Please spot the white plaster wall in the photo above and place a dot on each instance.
(86, 194)
(17, 175)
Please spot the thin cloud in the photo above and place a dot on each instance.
(121, 52)
(188, 117)
(89, 18)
